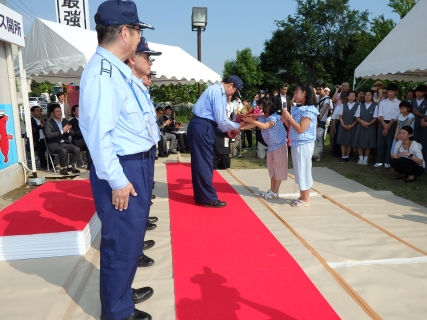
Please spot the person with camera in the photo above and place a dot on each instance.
(336, 98)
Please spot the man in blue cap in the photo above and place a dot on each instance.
(118, 135)
(209, 113)
(140, 65)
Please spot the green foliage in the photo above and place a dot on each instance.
(175, 94)
(247, 67)
(38, 88)
(402, 7)
(314, 43)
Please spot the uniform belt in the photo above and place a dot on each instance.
(387, 121)
(135, 156)
(207, 120)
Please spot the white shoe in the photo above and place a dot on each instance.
(365, 162)
(360, 161)
(263, 194)
(386, 165)
(378, 164)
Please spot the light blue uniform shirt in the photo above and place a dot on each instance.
(309, 135)
(149, 112)
(111, 120)
(212, 105)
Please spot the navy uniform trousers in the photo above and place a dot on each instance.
(201, 138)
(122, 235)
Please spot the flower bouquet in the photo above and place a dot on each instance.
(245, 111)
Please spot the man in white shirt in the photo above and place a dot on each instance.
(388, 112)
(65, 107)
(324, 105)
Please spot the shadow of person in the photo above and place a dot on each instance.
(410, 217)
(219, 301)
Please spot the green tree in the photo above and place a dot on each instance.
(38, 88)
(402, 7)
(247, 67)
(175, 94)
(314, 43)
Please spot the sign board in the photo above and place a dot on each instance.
(73, 13)
(11, 26)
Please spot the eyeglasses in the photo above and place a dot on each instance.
(137, 29)
(145, 56)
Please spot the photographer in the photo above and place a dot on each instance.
(174, 127)
(336, 98)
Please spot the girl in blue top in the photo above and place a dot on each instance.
(274, 135)
(302, 123)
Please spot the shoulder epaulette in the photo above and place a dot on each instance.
(106, 68)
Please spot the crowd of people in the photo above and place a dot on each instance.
(367, 122)
(60, 134)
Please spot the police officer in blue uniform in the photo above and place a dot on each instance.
(140, 65)
(113, 121)
(210, 113)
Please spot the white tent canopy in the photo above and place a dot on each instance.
(59, 53)
(402, 55)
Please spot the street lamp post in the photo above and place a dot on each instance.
(199, 20)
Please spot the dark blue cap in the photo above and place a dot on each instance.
(238, 83)
(117, 12)
(261, 92)
(143, 47)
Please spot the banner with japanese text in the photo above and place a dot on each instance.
(11, 27)
(73, 13)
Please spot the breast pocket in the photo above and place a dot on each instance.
(134, 117)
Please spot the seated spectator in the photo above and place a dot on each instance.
(165, 136)
(173, 127)
(222, 150)
(58, 131)
(78, 137)
(407, 158)
(37, 124)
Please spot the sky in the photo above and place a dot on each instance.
(232, 24)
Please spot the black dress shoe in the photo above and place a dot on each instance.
(142, 294)
(213, 204)
(173, 152)
(151, 226)
(138, 315)
(145, 261)
(153, 196)
(163, 155)
(152, 219)
(148, 244)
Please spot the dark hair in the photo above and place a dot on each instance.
(359, 91)
(310, 97)
(159, 108)
(413, 92)
(53, 106)
(52, 97)
(268, 107)
(353, 92)
(409, 130)
(227, 80)
(108, 34)
(33, 108)
(168, 107)
(406, 104)
(73, 108)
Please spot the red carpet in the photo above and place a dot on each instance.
(227, 264)
(53, 207)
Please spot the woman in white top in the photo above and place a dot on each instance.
(407, 158)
